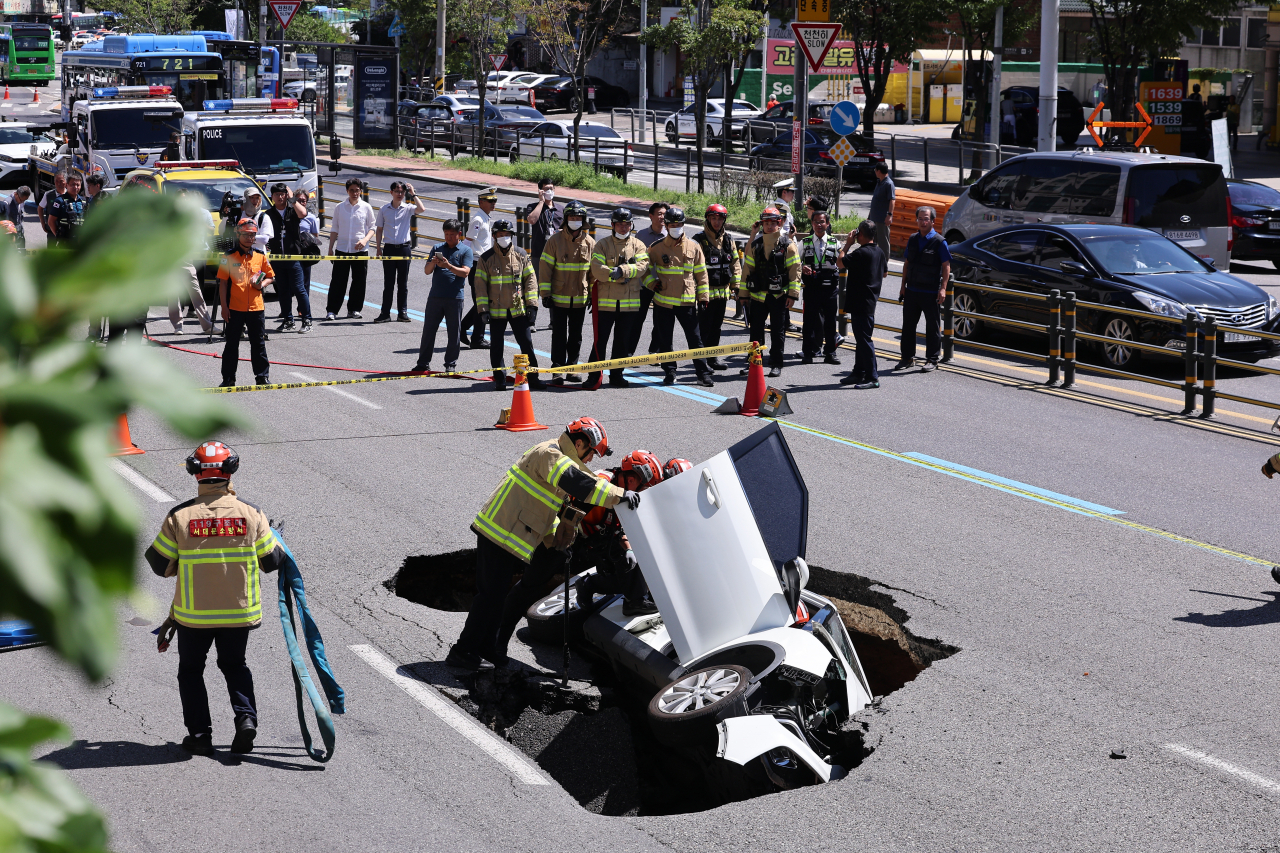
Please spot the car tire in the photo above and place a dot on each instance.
(546, 616)
(573, 103)
(685, 711)
(954, 237)
(1117, 355)
(966, 328)
(673, 136)
(308, 96)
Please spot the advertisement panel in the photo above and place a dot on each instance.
(375, 101)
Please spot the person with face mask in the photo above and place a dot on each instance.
(618, 268)
(678, 278)
(565, 287)
(507, 293)
(771, 283)
(723, 274)
(544, 217)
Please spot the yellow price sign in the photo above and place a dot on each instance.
(813, 10)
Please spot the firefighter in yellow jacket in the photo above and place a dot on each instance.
(214, 544)
(678, 277)
(618, 268)
(526, 526)
(507, 292)
(771, 280)
(564, 282)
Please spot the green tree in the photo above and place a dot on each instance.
(155, 16)
(977, 25)
(484, 26)
(710, 39)
(884, 32)
(67, 523)
(418, 44)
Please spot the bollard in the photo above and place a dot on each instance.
(364, 191)
(596, 165)
(893, 153)
(320, 201)
(949, 323)
(1210, 359)
(1069, 343)
(626, 155)
(1190, 359)
(591, 227)
(465, 219)
(926, 159)
(522, 229)
(413, 231)
(688, 168)
(1055, 336)
(655, 158)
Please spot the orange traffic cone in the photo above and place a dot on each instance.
(127, 447)
(755, 385)
(519, 418)
(6, 91)
(36, 96)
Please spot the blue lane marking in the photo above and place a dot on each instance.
(1025, 487)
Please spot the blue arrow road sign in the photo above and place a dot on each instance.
(845, 117)
(396, 28)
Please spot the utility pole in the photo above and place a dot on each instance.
(800, 114)
(644, 74)
(440, 45)
(1048, 75)
(997, 56)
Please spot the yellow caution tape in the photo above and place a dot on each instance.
(589, 367)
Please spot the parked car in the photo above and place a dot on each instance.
(1255, 222)
(513, 121)
(1183, 198)
(559, 93)
(553, 140)
(1026, 113)
(516, 88)
(684, 122)
(783, 112)
(457, 104)
(1112, 265)
(16, 139)
(493, 82)
(817, 151)
(742, 663)
(302, 90)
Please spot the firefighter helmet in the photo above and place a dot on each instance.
(771, 214)
(644, 465)
(501, 225)
(592, 432)
(213, 460)
(675, 466)
(717, 208)
(575, 208)
(620, 214)
(675, 216)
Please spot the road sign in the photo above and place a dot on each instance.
(813, 10)
(845, 117)
(284, 10)
(842, 152)
(815, 40)
(498, 60)
(397, 27)
(797, 146)
(1145, 123)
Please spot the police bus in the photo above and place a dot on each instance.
(26, 54)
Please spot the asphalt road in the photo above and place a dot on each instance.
(1102, 616)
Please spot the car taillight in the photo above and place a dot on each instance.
(815, 121)
(824, 155)
(1245, 221)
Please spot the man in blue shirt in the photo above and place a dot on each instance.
(449, 264)
(926, 268)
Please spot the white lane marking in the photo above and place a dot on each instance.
(1268, 785)
(142, 483)
(430, 698)
(339, 392)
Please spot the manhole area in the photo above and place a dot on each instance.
(595, 739)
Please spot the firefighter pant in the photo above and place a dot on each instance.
(664, 323)
(566, 334)
(358, 270)
(620, 325)
(521, 330)
(774, 309)
(471, 324)
(544, 565)
(913, 306)
(710, 319)
(238, 324)
(820, 318)
(193, 649)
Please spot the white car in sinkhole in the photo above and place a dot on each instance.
(741, 659)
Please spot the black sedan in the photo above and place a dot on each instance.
(559, 93)
(1111, 265)
(1255, 222)
(817, 151)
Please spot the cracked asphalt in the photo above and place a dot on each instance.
(1079, 635)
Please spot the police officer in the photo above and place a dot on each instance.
(785, 201)
(926, 268)
(678, 278)
(819, 273)
(214, 544)
(66, 213)
(724, 274)
(519, 529)
(771, 277)
(507, 292)
(867, 266)
(565, 287)
(605, 545)
(619, 264)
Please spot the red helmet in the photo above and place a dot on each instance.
(717, 208)
(675, 466)
(644, 465)
(213, 460)
(592, 432)
(771, 213)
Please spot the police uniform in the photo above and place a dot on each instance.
(615, 304)
(820, 293)
(678, 279)
(245, 312)
(772, 275)
(564, 275)
(505, 284)
(514, 532)
(68, 216)
(724, 274)
(922, 278)
(214, 544)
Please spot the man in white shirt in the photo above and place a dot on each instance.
(393, 246)
(352, 230)
(252, 209)
(480, 238)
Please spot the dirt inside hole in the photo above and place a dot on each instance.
(595, 740)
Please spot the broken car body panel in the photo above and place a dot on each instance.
(744, 739)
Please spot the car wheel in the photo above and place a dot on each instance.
(966, 328)
(546, 617)
(308, 96)
(573, 103)
(954, 237)
(687, 709)
(672, 136)
(1118, 354)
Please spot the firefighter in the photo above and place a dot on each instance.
(770, 278)
(564, 284)
(618, 268)
(675, 466)
(723, 276)
(605, 546)
(507, 292)
(214, 544)
(678, 278)
(819, 256)
(520, 529)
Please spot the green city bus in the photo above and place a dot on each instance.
(26, 54)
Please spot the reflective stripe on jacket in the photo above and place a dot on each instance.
(215, 544)
(523, 510)
(677, 272)
(758, 268)
(565, 267)
(505, 282)
(630, 253)
(723, 269)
